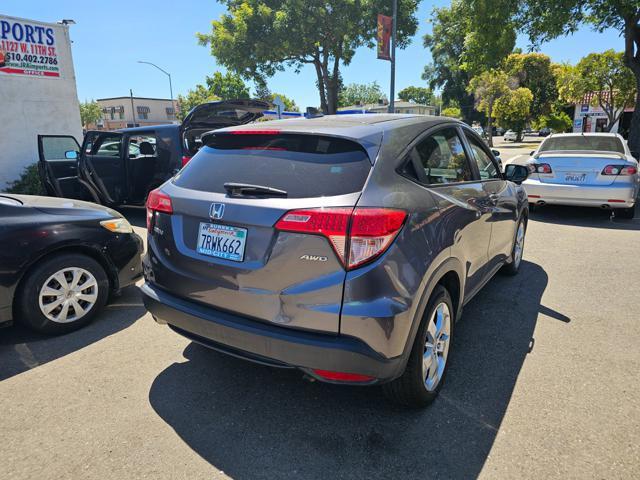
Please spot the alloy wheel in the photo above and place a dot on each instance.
(436, 348)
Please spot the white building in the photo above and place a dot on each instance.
(591, 118)
(37, 91)
(119, 112)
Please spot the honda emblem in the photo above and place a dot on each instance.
(216, 211)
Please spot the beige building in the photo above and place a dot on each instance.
(400, 106)
(117, 112)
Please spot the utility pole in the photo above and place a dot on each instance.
(170, 86)
(133, 112)
(392, 93)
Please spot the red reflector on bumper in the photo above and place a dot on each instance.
(615, 201)
(343, 377)
(534, 196)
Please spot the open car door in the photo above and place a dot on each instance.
(102, 165)
(213, 115)
(58, 166)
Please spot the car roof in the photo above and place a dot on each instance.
(353, 125)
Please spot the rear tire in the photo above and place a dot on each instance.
(625, 213)
(517, 250)
(428, 361)
(62, 293)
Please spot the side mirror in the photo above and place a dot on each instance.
(516, 173)
(71, 155)
(496, 153)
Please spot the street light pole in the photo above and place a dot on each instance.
(392, 105)
(170, 86)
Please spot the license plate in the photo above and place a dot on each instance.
(222, 241)
(575, 177)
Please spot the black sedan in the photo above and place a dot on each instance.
(60, 259)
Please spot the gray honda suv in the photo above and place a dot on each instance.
(344, 246)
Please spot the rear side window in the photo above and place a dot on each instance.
(443, 159)
(582, 142)
(301, 165)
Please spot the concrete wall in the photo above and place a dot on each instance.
(32, 105)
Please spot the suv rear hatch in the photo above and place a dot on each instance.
(214, 115)
(220, 245)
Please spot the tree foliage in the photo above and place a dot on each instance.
(453, 112)
(360, 94)
(536, 72)
(257, 38)
(513, 108)
(228, 86)
(90, 112)
(557, 121)
(544, 20)
(413, 94)
(488, 87)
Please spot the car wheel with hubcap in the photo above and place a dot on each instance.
(62, 293)
(427, 365)
(517, 251)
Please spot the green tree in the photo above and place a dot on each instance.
(557, 121)
(258, 38)
(90, 112)
(413, 94)
(488, 87)
(446, 42)
(512, 110)
(453, 112)
(360, 94)
(544, 20)
(611, 82)
(536, 72)
(229, 86)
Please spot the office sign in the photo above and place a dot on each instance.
(27, 48)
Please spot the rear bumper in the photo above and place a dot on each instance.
(582, 195)
(268, 344)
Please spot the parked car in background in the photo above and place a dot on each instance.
(61, 259)
(544, 132)
(510, 136)
(121, 167)
(585, 169)
(343, 246)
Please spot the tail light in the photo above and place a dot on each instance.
(185, 159)
(157, 201)
(619, 170)
(357, 235)
(542, 168)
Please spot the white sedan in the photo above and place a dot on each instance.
(510, 136)
(584, 169)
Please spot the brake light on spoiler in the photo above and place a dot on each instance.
(357, 235)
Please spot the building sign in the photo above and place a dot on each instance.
(384, 36)
(584, 108)
(28, 49)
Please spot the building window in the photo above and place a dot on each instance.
(143, 112)
(171, 113)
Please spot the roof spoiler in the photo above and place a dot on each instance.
(622, 156)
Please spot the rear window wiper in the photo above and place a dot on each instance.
(244, 189)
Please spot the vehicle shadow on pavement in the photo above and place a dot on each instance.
(22, 349)
(583, 217)
(137, 216)
(252, 421)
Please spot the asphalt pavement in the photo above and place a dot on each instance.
(543, 384)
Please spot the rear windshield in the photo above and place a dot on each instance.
(301, 165)
(579, 142)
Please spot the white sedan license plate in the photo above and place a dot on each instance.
(575, 177)
(222, 241)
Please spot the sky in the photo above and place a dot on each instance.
(111, 36)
